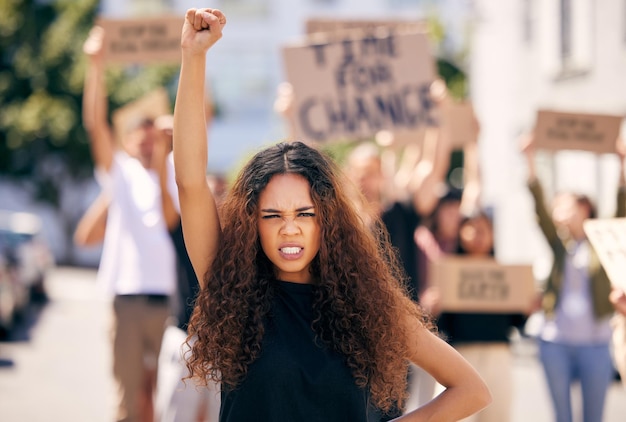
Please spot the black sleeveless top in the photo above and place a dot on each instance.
(295, 378)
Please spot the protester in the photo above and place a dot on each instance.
(484, 338)
(460, 227)
(178, 400)
(364, 168)
(575, 334)
(174, 401)
(301, 316)
(138, 259)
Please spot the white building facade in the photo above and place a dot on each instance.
(567, 55)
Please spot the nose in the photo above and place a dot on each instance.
(289, 226)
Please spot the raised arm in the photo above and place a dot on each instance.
(201, 226)
(430, 172)
(283, 106)
(472, 190)
(95, 101)
(544, 218)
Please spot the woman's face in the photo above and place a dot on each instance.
(568, 213)
(289, 229)
(476, 236)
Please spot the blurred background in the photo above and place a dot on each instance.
(509, 58)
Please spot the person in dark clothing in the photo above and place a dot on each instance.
(177, 400)
(484, 338)
(301, 314)
(397, 208)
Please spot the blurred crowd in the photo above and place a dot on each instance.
(578, 316)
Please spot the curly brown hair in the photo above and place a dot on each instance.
(359, 297)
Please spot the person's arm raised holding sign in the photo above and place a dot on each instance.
(575, 300)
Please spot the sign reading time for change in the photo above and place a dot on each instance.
(608, 238)
(138, 41)
(568, 131)
(354, 87)
(483, 285)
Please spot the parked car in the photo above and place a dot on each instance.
(26, 251)
(8, 297)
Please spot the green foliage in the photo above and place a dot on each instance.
(42, 69)
(449, 59)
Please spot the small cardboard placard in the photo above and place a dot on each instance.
(350, 89)
(139, 41)
(608, 238)
(459, 122)
(152, 105)
(483, 285)
(577, 131)
(330, 26)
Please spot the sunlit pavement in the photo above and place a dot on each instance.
(56, 366)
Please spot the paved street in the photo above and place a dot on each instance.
(57, 368)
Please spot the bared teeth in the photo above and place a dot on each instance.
(292, 250)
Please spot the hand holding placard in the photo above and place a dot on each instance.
(608, 238)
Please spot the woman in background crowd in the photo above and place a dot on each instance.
(575, 335)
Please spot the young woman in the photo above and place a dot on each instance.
(574, 338)
(301, 315)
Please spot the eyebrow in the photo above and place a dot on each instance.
(269, 210)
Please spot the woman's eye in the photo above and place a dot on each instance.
(269, 216)
(306, 214)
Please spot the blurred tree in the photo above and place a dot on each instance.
(450, 58)
(42, 66)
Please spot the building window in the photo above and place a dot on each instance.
(527, 29)
(624, 22)
(575, 36)
(566, 29)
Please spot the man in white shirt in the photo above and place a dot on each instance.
(138, 259)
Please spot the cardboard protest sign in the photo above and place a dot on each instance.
(568, 131)
(350, 89)
(152, 105)
(608, 238)
(459, 122)
(329, 26)
(138, 41)
(482, 285)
